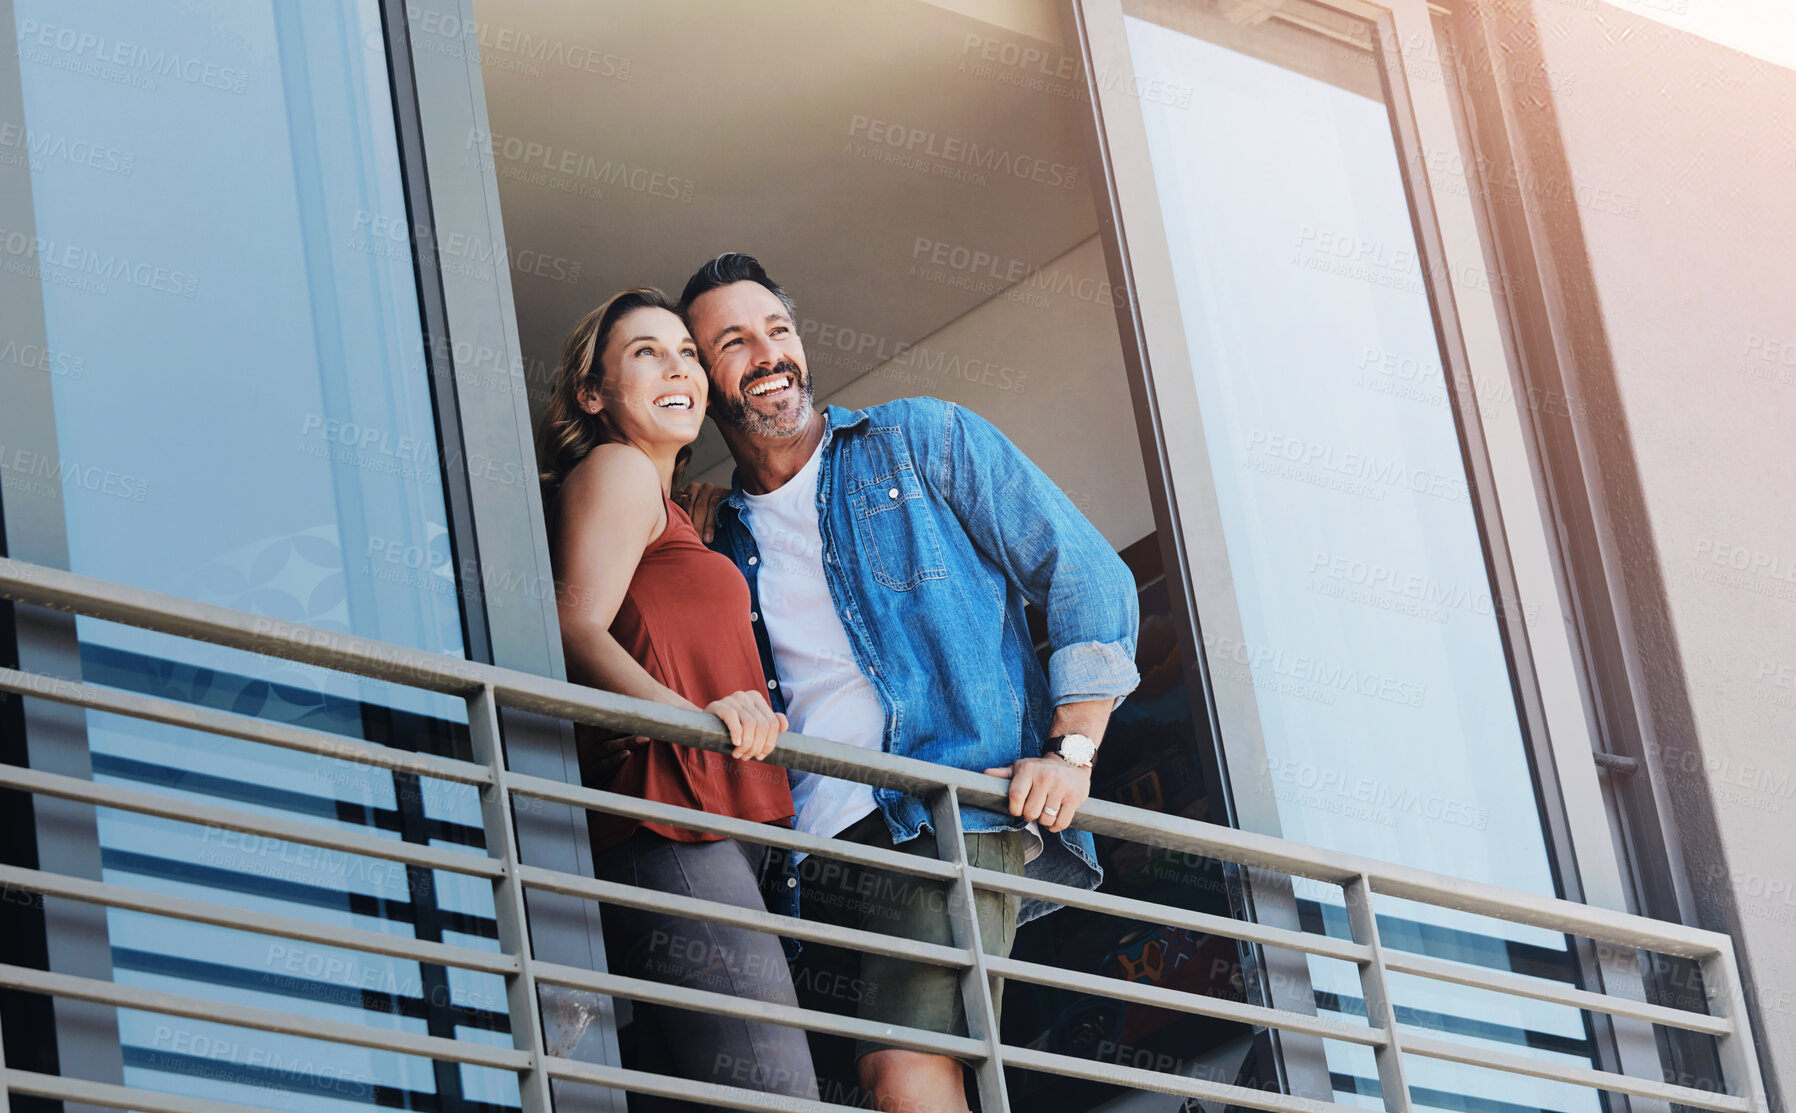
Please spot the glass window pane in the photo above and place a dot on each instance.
(1370, 625)
(252, 426)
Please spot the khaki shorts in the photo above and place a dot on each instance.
(895, 990)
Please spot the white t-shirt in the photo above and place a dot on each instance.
(827, 695)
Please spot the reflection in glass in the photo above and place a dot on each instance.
(251, 426)
(1370, 634)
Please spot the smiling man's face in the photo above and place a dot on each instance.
(751, 350)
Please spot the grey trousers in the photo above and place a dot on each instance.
(657, 946)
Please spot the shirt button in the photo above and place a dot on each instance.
(791, 882)
(893, 493)
(773, 683)
(754, 560)
(754, 616)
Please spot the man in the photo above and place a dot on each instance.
(889, 554)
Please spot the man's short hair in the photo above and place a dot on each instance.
(726, 270)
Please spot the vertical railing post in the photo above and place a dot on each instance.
(1739, 1058)
(975, 983)
(1381, 1013)
(6, 1102)
(508, 901)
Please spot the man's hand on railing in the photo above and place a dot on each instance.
(700, 500)
(1046, 789)
(603, 757)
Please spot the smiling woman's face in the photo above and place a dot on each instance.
(654, 389)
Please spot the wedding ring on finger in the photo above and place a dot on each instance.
(1050, 812)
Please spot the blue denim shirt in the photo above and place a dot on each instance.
(936, 530)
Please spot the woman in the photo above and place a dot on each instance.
(647, 610)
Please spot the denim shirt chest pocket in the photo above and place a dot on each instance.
(892, 514)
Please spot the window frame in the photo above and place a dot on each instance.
(440, 100)
(1638, 802)
(81, 1039)
(1505, 473)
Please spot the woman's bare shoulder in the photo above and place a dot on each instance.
(620, 469)
(618, 481)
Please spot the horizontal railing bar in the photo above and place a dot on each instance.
(560, 700)
(247, 727)
(1516, 985)
(1576, 1075)
(747, 1008)
(685, 1089)
(1115, 1074)
(801, 752)
(209, 622)
(232, 819)
(1601, 924)
(1170, 832)
(766, 834)
(1186, 1002)
(1257, 851)
(1323, 946)
(111, 1096)
(266, 1020)
(222, 915)
(102, 599)
(631, 896)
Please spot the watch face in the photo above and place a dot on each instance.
(1078, 749)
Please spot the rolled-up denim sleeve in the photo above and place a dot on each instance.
(1092, 670)
(1053, 554)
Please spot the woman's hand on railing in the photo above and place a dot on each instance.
(754, 725)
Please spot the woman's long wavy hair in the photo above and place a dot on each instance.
(567, 433)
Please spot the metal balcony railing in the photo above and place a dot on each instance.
(488, 689)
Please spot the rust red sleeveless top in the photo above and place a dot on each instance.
(685, 620)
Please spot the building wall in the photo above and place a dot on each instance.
(1069, 408)
(1662, 171)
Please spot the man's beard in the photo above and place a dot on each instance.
(739, 414)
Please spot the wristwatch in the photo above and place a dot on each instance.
(1076, 750)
